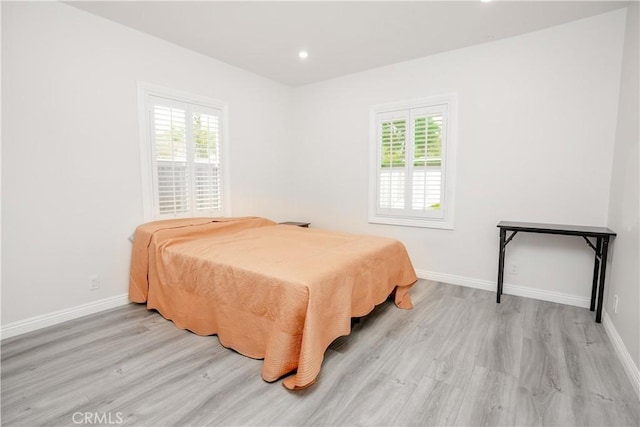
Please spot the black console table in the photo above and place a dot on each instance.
(602, 235)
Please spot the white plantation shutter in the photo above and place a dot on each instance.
(186, 141)
(206, 131)
(412, 147)
(427, 186)
(410, 163)
(169, 144)
(392, 131)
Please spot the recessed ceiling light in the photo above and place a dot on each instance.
(303, 54)
(485, 1)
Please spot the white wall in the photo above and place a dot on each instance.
(536, 132)
(624, 211)
(71, 183)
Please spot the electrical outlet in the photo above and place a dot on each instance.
(513, 268)
(615, 304)
(94, 282)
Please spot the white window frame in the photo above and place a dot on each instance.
(442, 218)
(150, 206)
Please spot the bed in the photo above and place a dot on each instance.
(269, 291)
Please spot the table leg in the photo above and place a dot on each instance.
(503, 235)
(596, 270)
(603, 270)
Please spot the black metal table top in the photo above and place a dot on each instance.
(569, 230)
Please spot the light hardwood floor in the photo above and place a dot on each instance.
(457, 358)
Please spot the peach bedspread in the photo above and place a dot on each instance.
(278, 292)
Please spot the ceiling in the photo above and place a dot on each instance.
(341, 37)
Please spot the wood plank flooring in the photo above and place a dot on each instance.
(457, 358)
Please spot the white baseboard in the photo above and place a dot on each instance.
(559, 297)
(457, 280)
(517, 290)
(38, 322)
(622, 352)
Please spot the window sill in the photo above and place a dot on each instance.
(413, 222)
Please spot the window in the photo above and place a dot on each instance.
(182, 145)
(412, 163)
